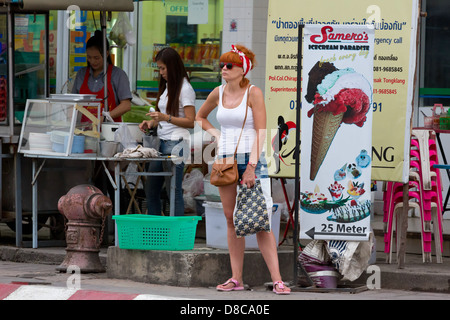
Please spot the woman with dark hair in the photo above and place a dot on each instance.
(174, 115)
(90, 80)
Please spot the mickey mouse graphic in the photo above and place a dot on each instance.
(279, 140)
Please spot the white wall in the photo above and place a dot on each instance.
(251, 19)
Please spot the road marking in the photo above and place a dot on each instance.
(45, 292)
(40, 293)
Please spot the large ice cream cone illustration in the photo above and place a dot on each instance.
(339, 96)
(325, 126)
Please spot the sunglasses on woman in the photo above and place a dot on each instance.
(229, 65)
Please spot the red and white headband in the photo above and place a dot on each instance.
(246, 62)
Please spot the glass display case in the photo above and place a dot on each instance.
(58, 127)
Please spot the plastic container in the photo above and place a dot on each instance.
(77, 144)
(211, 192)
(40, 141)
(428, 122)
(109, 128)
(147, 232)
(108, 148)
(58, 147)
(57, 138)
(322, 276)
(444, 121)
(436, 116)
(216, 227)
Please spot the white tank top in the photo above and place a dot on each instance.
(231, 121)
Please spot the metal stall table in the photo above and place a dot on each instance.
(117, 163)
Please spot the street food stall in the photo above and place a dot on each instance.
(47, 51)
(26, 62)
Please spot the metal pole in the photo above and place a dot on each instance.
(18, 196)
(116, 198)
(297, 150)
(34, 193)
(10, 71)
(47, 57)
(105, 61)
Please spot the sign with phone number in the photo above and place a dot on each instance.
(395, 24)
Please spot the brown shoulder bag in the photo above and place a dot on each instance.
(225, 171)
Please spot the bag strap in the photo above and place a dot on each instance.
(245, 119)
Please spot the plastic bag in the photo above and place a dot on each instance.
(350, 258)
(193, 183)
(250, 213)
(314, 253)
(192, 187)
(124, 137)
(108, 117)
(122, 31)
(278, 194)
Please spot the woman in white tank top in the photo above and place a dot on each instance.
(230, 120)
(231, 100)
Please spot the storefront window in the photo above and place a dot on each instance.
(30, 76)
(166, 23)
(436, 78)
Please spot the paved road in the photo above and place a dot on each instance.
(46, 278)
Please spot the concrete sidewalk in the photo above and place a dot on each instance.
(204, 267)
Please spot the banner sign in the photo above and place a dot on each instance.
(394, 65)
(336, 132)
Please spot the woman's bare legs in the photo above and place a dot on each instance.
(236, 246)
(268, 247)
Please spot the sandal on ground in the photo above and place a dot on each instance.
(236, 287)
(280, 288)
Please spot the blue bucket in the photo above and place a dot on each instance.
(77, 144)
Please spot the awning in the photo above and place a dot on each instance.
(85, 5)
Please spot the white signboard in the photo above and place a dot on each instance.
(198, 12)
(336, 132)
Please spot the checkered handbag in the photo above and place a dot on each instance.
(250, 214)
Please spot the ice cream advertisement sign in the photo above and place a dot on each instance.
(336, 134)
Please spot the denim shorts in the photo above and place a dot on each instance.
(242, 160)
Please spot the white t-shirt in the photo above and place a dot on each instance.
(169, 131)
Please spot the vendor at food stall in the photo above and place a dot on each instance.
(90, 79)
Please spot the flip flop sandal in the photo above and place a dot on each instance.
(281, 286)
(237, 286)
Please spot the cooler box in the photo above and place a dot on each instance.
(216, 227)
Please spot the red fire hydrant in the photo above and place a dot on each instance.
(86, 209)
